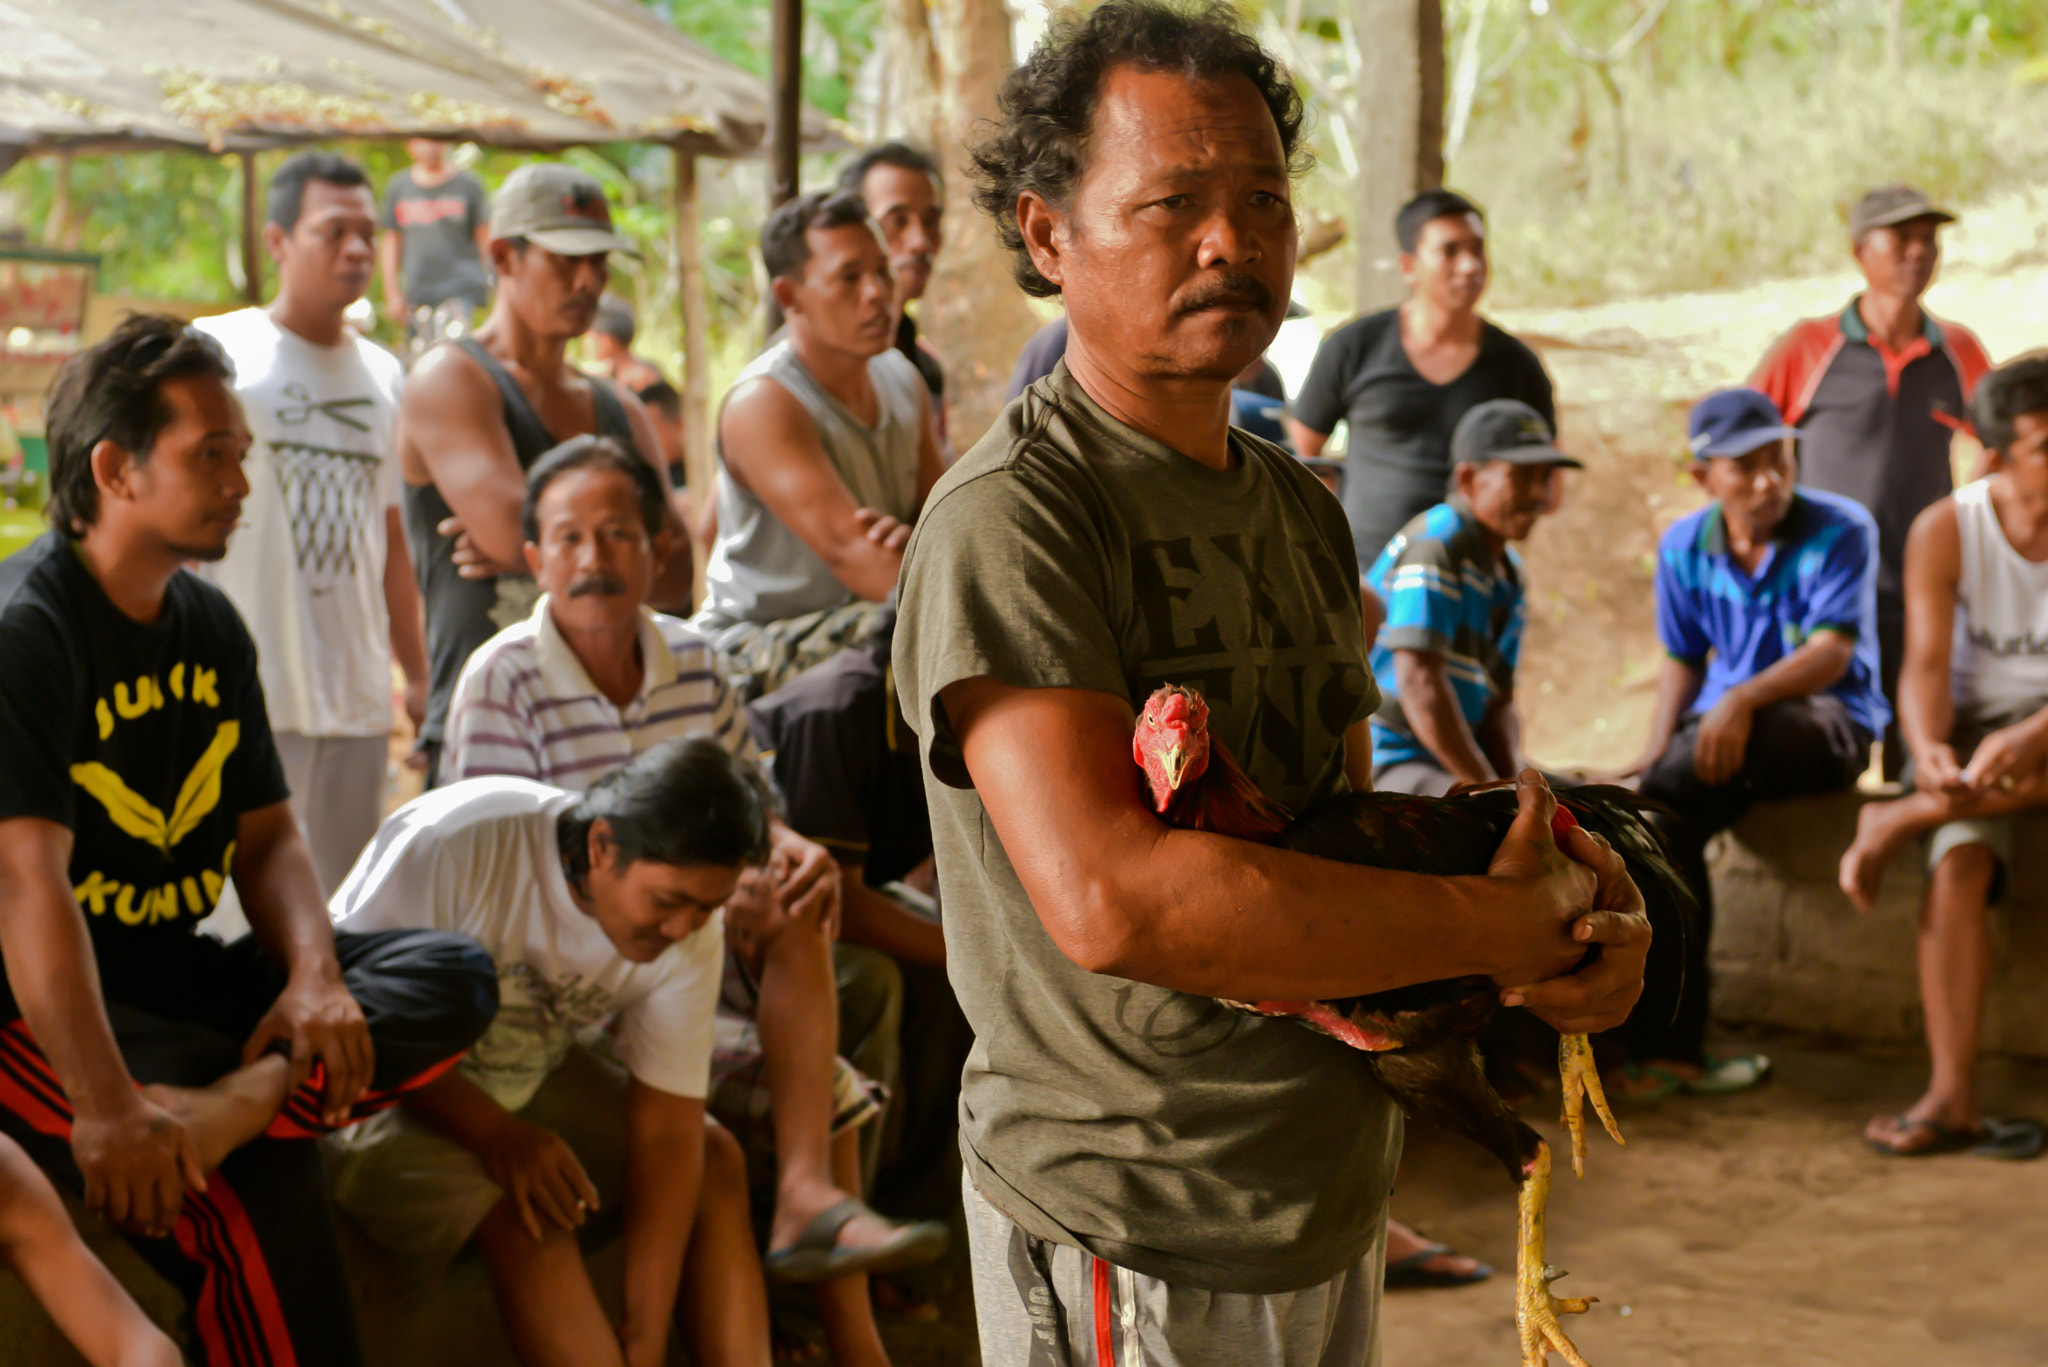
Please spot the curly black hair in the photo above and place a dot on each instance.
(1047, 104)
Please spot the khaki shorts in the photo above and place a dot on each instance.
(422, 1195)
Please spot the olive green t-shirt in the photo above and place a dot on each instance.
(1157, 1130)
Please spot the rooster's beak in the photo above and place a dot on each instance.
(1174, 761)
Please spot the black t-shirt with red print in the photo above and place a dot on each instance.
(147, 740)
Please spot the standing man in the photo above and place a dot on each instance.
(1766, 606)
(1150, 1175)
(827, 447)
(437, 231)
(1878, 393)
(1405, 378)
(319, 569)
(171, 1079)
(479, 411)
(1456, 606)
(906, 196)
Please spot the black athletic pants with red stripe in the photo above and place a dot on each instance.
(255, 1254)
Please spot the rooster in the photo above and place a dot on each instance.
(1420, 1041)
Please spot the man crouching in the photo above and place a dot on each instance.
(595, 905)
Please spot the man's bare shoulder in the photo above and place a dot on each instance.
(762, 408)
(445, 375)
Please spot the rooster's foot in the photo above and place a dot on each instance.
(1536, 1309)
(1582, 1080)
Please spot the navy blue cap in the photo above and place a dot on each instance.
(1509, 431)
(1735, 422)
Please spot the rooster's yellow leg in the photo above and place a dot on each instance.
(1581, 1080)
(1536, 1310)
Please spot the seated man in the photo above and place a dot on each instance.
(1973, 706)
(574, 692)
(39, 1245)
(171, 1079)
(846, 761)
(1766, 604)
(827, 447)
(599, 906)
(1452, 585)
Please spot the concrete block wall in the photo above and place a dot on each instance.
(1791, 952)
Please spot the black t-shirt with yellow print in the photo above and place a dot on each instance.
(147, 740)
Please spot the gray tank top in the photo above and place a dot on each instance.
(760, 571)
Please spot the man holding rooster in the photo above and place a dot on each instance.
(1151, 1177)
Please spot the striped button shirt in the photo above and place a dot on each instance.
(525, 706)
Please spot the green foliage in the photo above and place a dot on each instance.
(839, 35)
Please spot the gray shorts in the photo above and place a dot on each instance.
(1042, 1304)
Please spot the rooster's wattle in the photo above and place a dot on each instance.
(1420, 1041)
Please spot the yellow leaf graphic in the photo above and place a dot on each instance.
(127, 808)
(201, 793)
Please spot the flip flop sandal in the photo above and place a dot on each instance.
(1722, 1076)
(817, 1257)
(2012, 1140)
(1946, 1139)
(1409, 1272)
(1647, 1082)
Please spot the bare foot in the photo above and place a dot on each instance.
(1931, 1125)
(1403, 1242)
(227, 1114)
(1880, 832)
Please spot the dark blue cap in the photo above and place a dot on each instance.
(1735, 422)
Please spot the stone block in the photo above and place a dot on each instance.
(1790, 951)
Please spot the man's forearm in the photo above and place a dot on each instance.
(1195, 915)
(664, 1173)
(881, 922)
(1927, 709)
(51, 968)
(1813, 668)
(1678, 684)
(1500, 738)
(459, 1111)
(1431, 707)
(280, 893)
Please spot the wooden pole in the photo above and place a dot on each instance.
(697, 456)
(784, 118)
(252, 231)
(1399, 131)
(787, 77)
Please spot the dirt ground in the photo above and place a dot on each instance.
(1750, 1231)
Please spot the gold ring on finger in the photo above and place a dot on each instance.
(2008, 783)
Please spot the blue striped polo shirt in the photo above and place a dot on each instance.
(1447, 595)
(1819, 574)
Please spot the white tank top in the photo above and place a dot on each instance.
(2000, 660)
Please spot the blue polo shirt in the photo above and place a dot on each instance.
(1446, 595)
(1818, 574)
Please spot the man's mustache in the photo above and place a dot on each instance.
(609, 585)
(1231, 289)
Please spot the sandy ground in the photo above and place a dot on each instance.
(1751, 1231)
(1755, 1231)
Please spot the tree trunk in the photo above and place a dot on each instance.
(976, 317)
(911, 67)
(1399, 130)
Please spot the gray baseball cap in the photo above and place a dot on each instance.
(1509, 431)
(1892, 204)
(557, 208)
